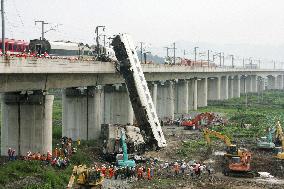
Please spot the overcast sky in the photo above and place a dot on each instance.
(158, 22)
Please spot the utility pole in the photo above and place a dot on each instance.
(243, 62)
(220, 57)
(42, 27)
(274, 64)
(3, 27)
(141, 51)
(174, 52)
(97, 38)
(208, 57)
(232, 60)
(223, 59)
(259, 64)
(104, 43)
(195, 51)
(167, 48)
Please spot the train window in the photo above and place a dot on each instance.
(15, 47)
(10, 47)
(0, 45)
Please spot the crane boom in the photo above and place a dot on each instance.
(142, 104)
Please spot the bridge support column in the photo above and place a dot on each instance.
(153, 90)
(202, 92)
(253, 83)
(230, 87)
(82, 112)
(165, 100)
(249, 84)
(243, 82)
(214, 88)
(279, 82)
(26, 123)
(237, 86)
(192, 94)
(271, 82)
(117, 105)
(260, 84)
(224, 88)
(181, 97)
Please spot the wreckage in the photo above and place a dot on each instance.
(142, 104)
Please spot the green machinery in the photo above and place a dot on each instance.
(122, 159)
(266, 141)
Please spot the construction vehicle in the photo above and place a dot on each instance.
(231, 150)
(279, 150)
(83, 177)
(203, 119)
(236, 162)
(122, 159)
(266, 141)
(142, 104)
(239, 166)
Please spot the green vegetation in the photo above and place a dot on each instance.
(189, 147)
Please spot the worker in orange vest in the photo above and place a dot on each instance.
(140, 173)
(56, 152)
(110, 172)
(149, 173)
(103, 170)
(176, 167)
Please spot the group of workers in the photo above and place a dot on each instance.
(60, 157)
(150, 170)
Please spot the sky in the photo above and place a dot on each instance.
(238, 26)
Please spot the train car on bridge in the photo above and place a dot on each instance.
(14, 47)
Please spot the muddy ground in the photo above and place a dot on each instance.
(263, 161)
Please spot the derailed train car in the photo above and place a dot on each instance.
(60, 48)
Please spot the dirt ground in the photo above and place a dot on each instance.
(263, 161)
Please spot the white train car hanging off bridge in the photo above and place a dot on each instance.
(138, 91)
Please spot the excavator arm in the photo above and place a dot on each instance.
(208, 133)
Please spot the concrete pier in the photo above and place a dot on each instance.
(214, 88)
(192, 94)
(224, 94)
(231, 87)
(253, 83)
(26, 122)
(237, 86)
(165, 100)
(260, 84)
(181, 97)
(248, 84)
(243, 84)
(117, 105)
(271, 82)
(279, 82)
(153, 87)
(202, 92)
(82, 112)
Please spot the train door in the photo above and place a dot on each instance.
(38, 48)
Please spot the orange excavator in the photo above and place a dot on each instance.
(203, 119)
(236, 162)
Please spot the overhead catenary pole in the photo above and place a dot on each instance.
(42, 27)
(174, 52)
(208, 57)
(220, 57)
(243, 62)
(141, 51)
(195, 51)
(232, 60)
(3, 27)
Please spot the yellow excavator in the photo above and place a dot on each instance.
(236, 162)
(279, 140)
(83, 177)
(232, 149)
